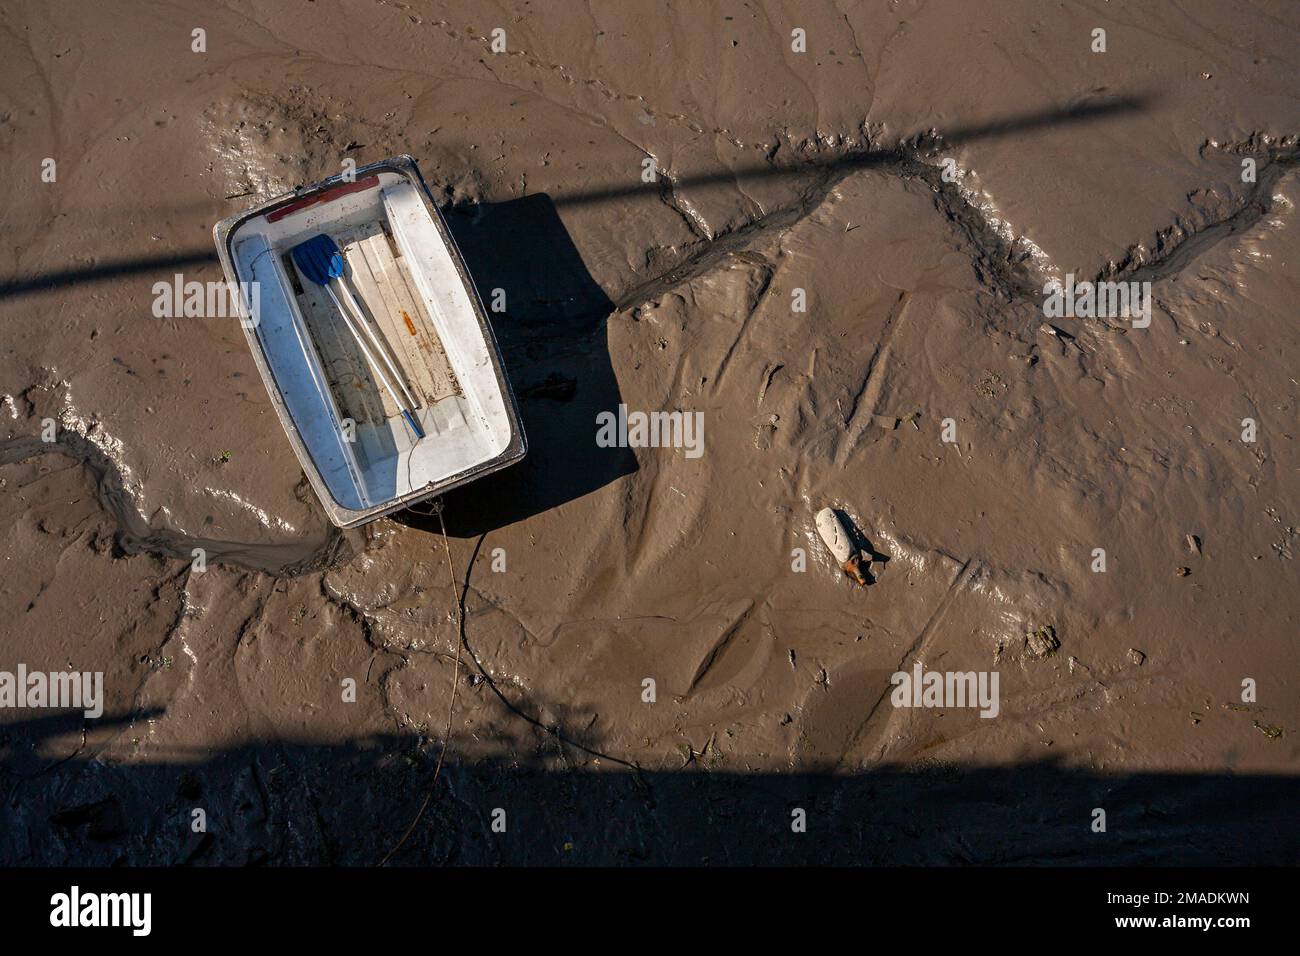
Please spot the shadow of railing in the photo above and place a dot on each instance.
(843, 163)
(1080, 112)
(58, 278)
(299, 803)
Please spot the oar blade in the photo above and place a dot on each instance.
(319, 259)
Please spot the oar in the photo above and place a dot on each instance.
(320, 260)
(324, 249)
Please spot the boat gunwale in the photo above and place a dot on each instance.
(516, 448)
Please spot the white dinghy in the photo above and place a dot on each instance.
(388, 379)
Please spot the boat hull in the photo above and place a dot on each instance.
(347, 434)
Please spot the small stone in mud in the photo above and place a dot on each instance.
(1269, 731)
(1042, 642)
(1193, 544)
(1183, 572)
(189, 786)
(792, 664)
(104, 820)
(1136, 656)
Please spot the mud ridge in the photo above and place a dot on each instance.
(1178, 245)
(137, 536)
(997, 263)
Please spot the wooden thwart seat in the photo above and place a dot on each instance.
(383, 286)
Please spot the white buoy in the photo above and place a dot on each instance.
(836, 536)
(839, 539)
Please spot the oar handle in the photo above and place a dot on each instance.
(374, 365)
(415, 426)
(374, 341)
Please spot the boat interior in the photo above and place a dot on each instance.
(405, 277)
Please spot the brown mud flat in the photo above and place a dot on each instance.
(586, 570)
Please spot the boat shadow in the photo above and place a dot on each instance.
(549, 316)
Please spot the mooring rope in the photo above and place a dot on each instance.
(463, 641)
(455, 683)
